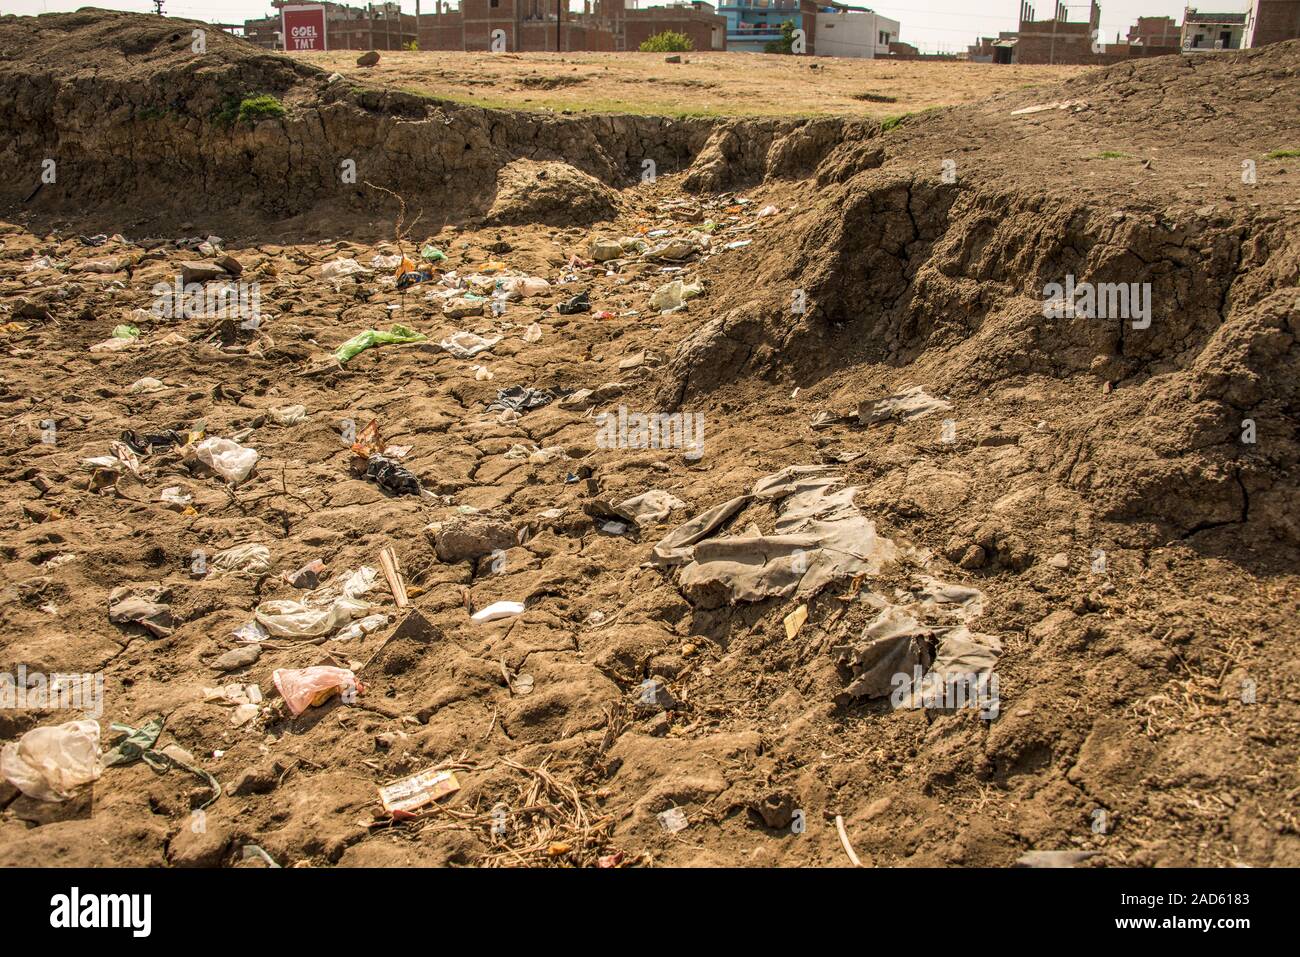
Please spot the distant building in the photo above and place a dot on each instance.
(1213, 31)
(524, 25)
(1272, 21)
(753, 24)
(855, 32)
(1058, 40)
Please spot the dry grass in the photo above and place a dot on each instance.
(707, 84)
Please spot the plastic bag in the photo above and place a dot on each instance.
(232, 461)
(671, 295)
(302, 688)
(286, 618)
(47, 763)
(466, 345)
(397, 335)
(342, 268)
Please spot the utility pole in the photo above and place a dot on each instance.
(157, 7)
(557, 25)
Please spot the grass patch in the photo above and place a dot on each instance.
(892, 122)
(875, 97)
(1283, 154)
(1112, 155)
(254, 108)
(248, 110)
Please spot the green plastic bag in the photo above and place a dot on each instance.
(126, 332)
(362, 341)
(433, 254)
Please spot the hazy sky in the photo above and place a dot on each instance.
(930, 24)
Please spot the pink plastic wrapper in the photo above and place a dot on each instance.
(303, 687)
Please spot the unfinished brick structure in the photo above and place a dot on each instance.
(525, 25)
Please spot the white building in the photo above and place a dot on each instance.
(853, 32)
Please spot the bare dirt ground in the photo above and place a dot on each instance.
(1084, 507)
(704, 84)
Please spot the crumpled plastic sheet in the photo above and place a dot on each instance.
(820, 537)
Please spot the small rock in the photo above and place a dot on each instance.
(201, 271)
(472, 537)
(1059, 560)
(368, 59)
(776, 809)
(974, 557)
(238, 658)
(259, 780)
(205, 849)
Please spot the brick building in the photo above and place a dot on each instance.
(525, 25)
(1272, 21)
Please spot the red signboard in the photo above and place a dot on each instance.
(304, 27)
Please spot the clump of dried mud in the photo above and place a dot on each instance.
(1136, 559)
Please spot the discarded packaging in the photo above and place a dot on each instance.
(304, 688)
(48, 763)
(414, 792)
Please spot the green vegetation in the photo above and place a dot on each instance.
(413, 46)
(668, 42)
(891, 122)
(248, 110)
(786, 43)
(1283, 154)
(254, 108)
(1113, 155)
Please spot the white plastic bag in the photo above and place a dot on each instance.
(232, 461)
(47, 763)
(342, 268)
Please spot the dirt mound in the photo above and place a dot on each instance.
(551, 193)
(898, 267)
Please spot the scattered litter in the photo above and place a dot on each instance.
(342, 268)
(795, 621)
(497, 610)
(466, 345)
(574, 305)
(251, 560)
(414, 792)
(673, 820)
(289, 415)
(523, 399)
(227, 458)
(304, 688)
(49, 763)
(820, 537)
(397, 335)
(903, 406)
(140, 605)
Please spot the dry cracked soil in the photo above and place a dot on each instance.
(1095, 511)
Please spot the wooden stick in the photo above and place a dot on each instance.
(388, 559)
(844, 839)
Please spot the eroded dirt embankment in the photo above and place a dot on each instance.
(148, 130)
